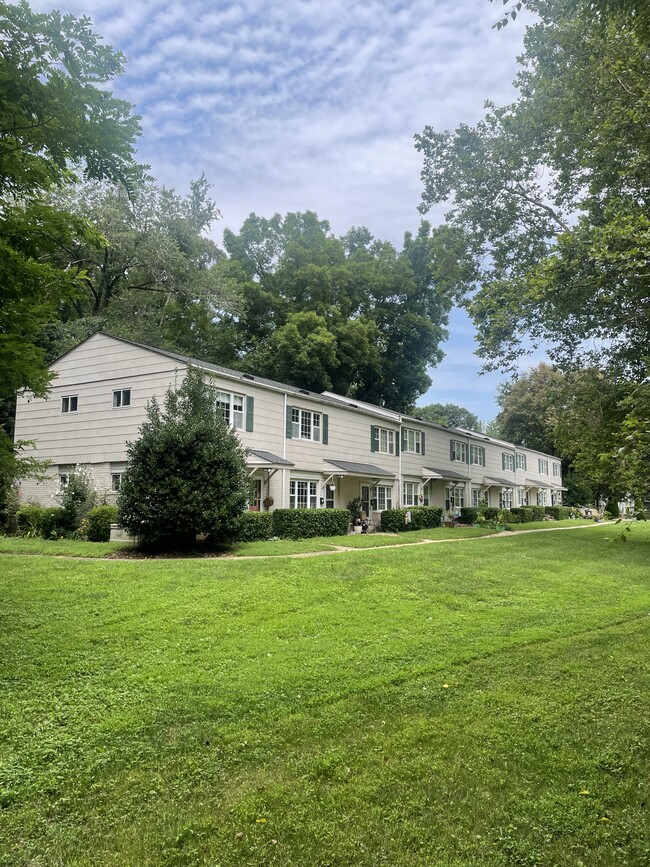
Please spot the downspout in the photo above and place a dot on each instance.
(284, 447)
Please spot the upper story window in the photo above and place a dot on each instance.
(507, 461)
(521, 461)
(412, 442)
(305, 425)
(122, 397)
(383, 440)
(458, 451)
(543, 466)
(557, 470)
(477, 455)
(232, 407)
(69, 403)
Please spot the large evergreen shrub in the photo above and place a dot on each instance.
(255, 527)
(186, 473)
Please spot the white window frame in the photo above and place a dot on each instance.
(382, 495)
(477, 452)
(303, 494)
(413, 441)
(63, 480)
(557, 470)
(477, 497)
(522, 499)
(305, 424)
(386, 441)
(542, 466)
(116, 482)
(410, 494)
(520, 461)
(507, 462)
(67, 403)
(232, 407)
(118, 402)
(541, 497)
(459, 451)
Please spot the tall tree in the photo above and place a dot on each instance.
(552, 195)
(57, 121)
(347, 313)
(152, 278)
(449, 414)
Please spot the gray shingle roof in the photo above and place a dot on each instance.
(445, 474)
(270, 458)
(357, 469)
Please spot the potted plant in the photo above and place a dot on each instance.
(267, 502)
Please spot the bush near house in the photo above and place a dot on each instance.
(560, 513)
(307, 523)
(469, 514)
(48, 522)
(255, 527)
(422, 518)
(99, 523)
(528, 514)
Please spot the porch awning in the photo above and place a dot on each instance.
(352, 468)
(266, 460)
(536, 483)
(445, 475)
(558, 488)
(492, 481)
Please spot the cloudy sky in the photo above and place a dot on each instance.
(312, 104)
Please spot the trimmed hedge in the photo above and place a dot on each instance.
(99, 523)
(469, 514)
(49, 522)
(422, 518)
(255, 527)
(528, 514)
(560, 513)
(506, 516)
(307, 523)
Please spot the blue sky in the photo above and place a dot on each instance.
(288, 105)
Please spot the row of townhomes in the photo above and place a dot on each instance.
(306, 450)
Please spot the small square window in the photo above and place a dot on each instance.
(116, 481)
(122, 397)
(69, 403)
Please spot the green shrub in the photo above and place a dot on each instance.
(29, 519)
(612, 508)
(55, 522)
(489, 513)
(528, 514)
(255, 527)
(99, 523)
(307, 523)
(187, 471)
(77, 498)
(506, 516)
(469, 515)
(560, 513)
(422, 518)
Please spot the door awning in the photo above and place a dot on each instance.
(436, 473)
(352, 468)
(266, 460)
(495, 481)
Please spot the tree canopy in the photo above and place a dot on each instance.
(552, 196)
(58, 122)
(449, 414)
(348, 313)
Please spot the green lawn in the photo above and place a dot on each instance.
(59, 547)
(473, 704)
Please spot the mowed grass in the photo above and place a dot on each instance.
(479, 703)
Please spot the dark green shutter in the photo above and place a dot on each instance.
(374, 438)
(289, 424)
(451, 449)
(250, 410)
(326, 427)
(397, 443)
(422, 441)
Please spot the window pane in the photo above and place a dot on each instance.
(126, 397)
(305, 425)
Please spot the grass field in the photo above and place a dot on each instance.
(484, 703)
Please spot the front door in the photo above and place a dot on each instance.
(365, 499)
(255, 500)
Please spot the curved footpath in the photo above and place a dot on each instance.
(333, 549)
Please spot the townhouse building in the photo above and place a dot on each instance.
(305, 450)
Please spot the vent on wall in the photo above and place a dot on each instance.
(248, 376)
